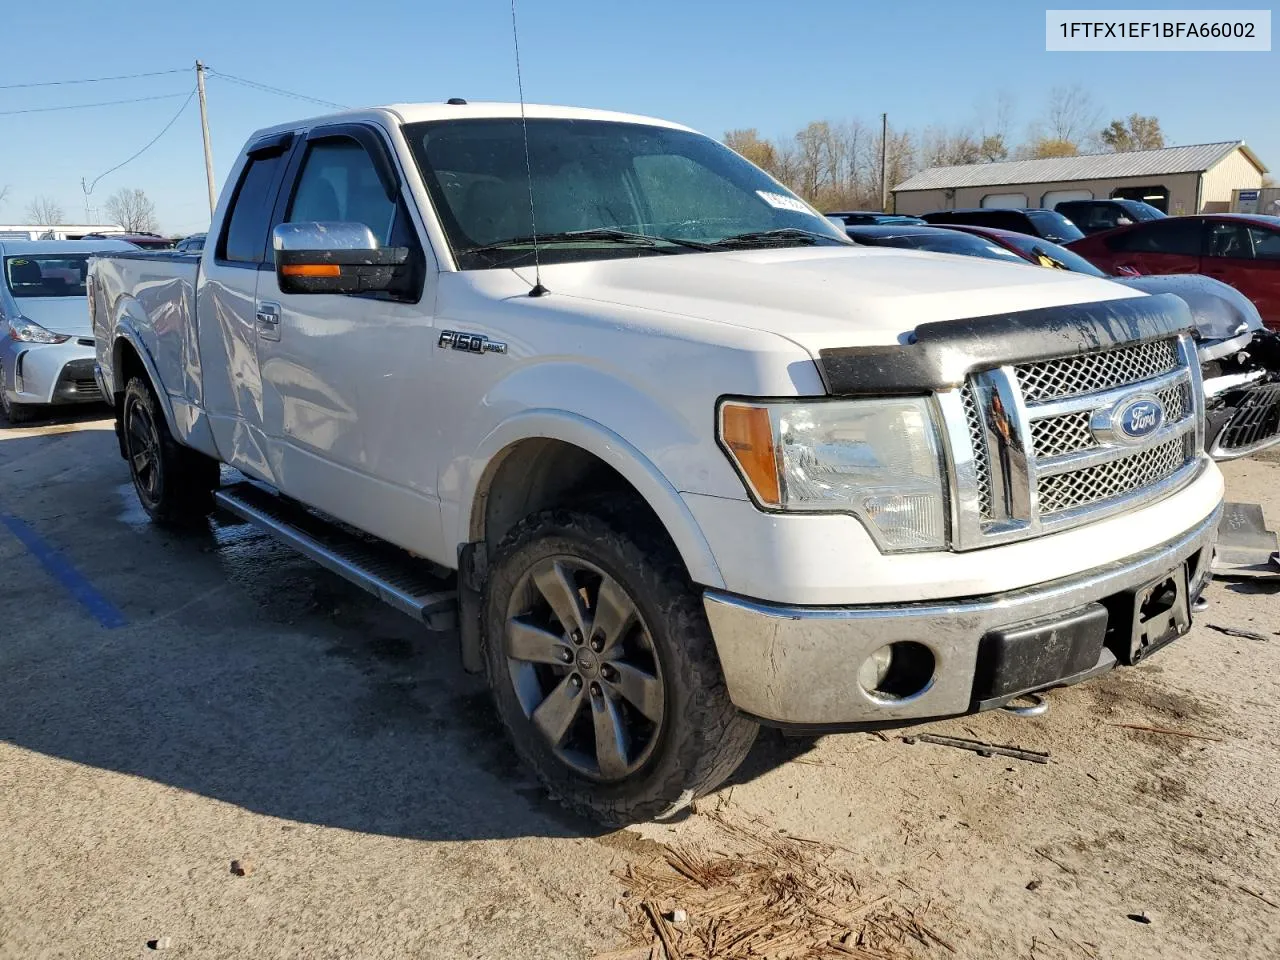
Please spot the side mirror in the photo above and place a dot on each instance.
(316, 257)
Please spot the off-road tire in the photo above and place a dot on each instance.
(182, 491)
(702, 738)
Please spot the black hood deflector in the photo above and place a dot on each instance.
(941, 355)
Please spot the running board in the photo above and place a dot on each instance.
(384, 570)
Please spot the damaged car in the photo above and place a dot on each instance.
(1239, 356)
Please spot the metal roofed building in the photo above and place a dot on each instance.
(1193, 179)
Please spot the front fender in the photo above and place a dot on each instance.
(613, 449)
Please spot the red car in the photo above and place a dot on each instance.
(1240, 249)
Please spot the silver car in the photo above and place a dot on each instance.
(46, 340)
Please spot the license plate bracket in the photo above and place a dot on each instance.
(1161, 614)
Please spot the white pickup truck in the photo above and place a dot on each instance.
(678, 457)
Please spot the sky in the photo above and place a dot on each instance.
(715, 65)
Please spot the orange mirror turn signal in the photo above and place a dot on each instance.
(311, 270)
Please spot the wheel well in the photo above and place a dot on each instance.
(126, 364)
(538, 474)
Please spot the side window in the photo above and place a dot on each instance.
(1240, 241)
(1231, 240)
(1266, 243)
(244, 239)
(338, 182)
(1176, 235)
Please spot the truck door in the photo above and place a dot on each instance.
(226, 309)
(347, 377)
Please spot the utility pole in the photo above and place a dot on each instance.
(204, 126)
(884, 158)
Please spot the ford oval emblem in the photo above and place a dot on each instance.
(1138, 417)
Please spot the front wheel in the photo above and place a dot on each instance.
(174, 483)
(603, 668)
(15, 413)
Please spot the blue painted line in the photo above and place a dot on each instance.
(60, 568)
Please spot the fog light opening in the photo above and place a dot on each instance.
(897, 671)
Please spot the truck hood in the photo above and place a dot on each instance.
(822, 297)
(69, 315)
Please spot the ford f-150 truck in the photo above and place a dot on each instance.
(675, 455)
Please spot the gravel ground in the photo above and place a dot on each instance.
(212, 697)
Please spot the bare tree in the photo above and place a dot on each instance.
(1135, 133)
(132, 210)
(4, 192)
(996, 120)
(748, 143)
(940, 147)
(45, 211)
(1039, 147)
(1071, 116)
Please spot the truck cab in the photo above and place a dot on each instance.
(682, 458)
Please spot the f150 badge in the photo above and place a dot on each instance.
(1130, 421)
(470, 342)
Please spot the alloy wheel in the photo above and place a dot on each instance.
(584, 667)
(143, 442)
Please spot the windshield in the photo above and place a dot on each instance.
(945, 241)
(682, 189)
(1141, 211)
(1054, 225)
(1035, 247)
(46, 275)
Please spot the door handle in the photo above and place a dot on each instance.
(268, 315)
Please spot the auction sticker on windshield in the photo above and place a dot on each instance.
(782, 202)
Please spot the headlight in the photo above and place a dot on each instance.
(25, 331)
(878, 459)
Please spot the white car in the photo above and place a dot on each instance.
(687, 462)
(46, 354)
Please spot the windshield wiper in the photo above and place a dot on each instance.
(599, 234)
(765, 238)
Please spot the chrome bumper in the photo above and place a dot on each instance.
(799, 665)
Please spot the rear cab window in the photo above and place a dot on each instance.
(244, 234)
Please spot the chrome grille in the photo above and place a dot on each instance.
(1091, 372)
(1054, 436)
(1176, 401)
(1102, 482)
(977, 436)
(1038, 464)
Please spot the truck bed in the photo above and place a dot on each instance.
(150, 295)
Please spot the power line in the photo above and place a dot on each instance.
(83, 106)
(253, 84)
(150, 143)
(60, 83)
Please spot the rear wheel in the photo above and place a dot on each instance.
(603, 668)
(174, 483)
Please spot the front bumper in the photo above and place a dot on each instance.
(798, 666)
(42, 373)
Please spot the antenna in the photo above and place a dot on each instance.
(538, 289)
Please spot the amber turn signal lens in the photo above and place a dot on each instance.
(311, 270)
(748, 434)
